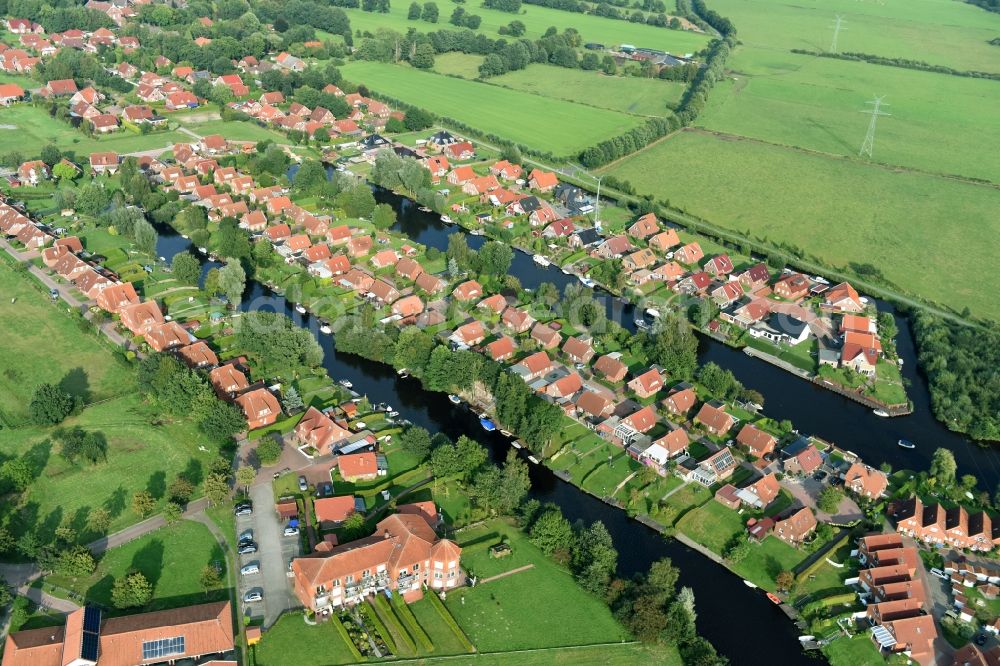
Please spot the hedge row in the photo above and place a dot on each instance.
(403, 612)
(383, 631)
(449, 620)
(342, 630)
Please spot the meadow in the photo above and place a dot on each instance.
(80, 362)
(546, 124)
(537, 20)
(939, 123)
(632, 95)
(27, 129)
(930, 236)
(465, 65)
(235, 130)
(941, 32)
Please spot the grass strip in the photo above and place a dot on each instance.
(449, 620)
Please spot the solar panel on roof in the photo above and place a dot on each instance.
(89, 647)
(162, 647)
(92, 619)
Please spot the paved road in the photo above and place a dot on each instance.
(273, 553)
(147, 526)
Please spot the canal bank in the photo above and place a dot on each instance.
(721, 595)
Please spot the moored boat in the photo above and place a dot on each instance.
(906, 444)
(880, 412)
(540, 260)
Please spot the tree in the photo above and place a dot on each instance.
(785, 580)
(414, 12)
(551, 532)
(76, 443)
(76, 561)
(291, 400)
(232, 281)
(185, 268)
(212, 282)
(430, 13)
(99, 520)
(49, 405)
(495, 258)
(245, 477)
(416, 441)
(829, 499)
(384, 216)
(418, 119)
(423, 57)
(593, 558)
(143, 503)
(64, 171)
(145, 237)
(51, 154)
(216, 488)
(172, 512)
(210, 578)
(268, 451)
(18, 472)
(180, 490)
(674, 346)
(310, 177)
(221, 420)
(943, 468)
(131, 591)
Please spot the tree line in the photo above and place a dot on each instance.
(617, 11)
(903, 63)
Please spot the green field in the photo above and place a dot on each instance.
(620, 654)
(465, 65)
(942, 32)
(79, 361)
(496, 615)
(638, 96)
(236, 130)
(27, 129)
(545, 124)
(537, 19)
(319, 645)
(171, 558)
(929, 235)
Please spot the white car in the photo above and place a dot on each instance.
(291, 531)
(250, 569)
(940, 574)
(253, 595)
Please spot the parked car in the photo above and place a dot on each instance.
(251, 596)
(249, 569)
(243, 509)
(54, 293)
(303, 484)
(248, 548)
(291, 531)
(246, 535)
(937, 572)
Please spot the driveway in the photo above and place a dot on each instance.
(273, 554)
(806, 491)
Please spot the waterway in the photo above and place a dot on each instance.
(736, 619)
(731, 616)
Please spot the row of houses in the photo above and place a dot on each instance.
(938, 526)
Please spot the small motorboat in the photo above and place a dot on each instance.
(587, 282)
(880, 412)
(774, 599)
(345, 383)
(506, 433)
(641, 324)
(906, 444)
(749, 584)
(446, 219)
(203, 250)
(404, 373)
(516, 444)
(301, 309)
(325, 329)
(424, 209)
(387, 408)
(487, 424)
(454, 399)
(393, 414)
(540, 260)
(533, 459)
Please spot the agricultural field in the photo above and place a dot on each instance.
(939, 123)
(537, 20)
(887, 218)
(941, 32)
(27, 129)
(562, 128)
(83, 365)
(633, 95)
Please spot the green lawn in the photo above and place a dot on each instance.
(33, 128)
(145, 452)
(236, 130)
(638, 96)
(854, 651)
(79, 361)
(496, 616)
(537, 19)
(171, 559)
(766, 560)
(319, 645)
(545, 124)
(712, 525)
(882, 217)
(465, 65)
(620, 654)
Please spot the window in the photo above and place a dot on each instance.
(416, 567)
(163, 647)
(348, 580)
(336, 582)
(365, 573)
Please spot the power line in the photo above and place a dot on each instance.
(837, 27)
(875, 112)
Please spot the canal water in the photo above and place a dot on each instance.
(733, 617)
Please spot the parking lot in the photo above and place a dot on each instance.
(274, 552)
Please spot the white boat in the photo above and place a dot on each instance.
(749, 584)
(476, 232)
(446, 219)
(387, 408)
(203, 250)
(641, 324)
(301, 309)
(454, 399)
(880, 412)
(587, 282)
(533, 459)
(516, 444)
(424, 209)
(652, 312)
(540, 260)
(906, 444)
(393, 414)
(325, 329)
(820, 279)
(345, 383)
(184, 236)
(506, 433)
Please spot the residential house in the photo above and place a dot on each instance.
(794, 529)
(611, 368)
(727, 293)
(761, 492)
(10, 93)
(843, 298)
(647, 384)
(104, 162)
(33, 172)
(759, 442)
(665, 240)
(469, 334)
(546, 337)
(578, 349)
(140, 317)
(517, 320)
(719, 265)
(792, 287)
(228, 380)
(460, 150)
(403, 556)
(167, 335)
(644, 227)
(356, 467)
(409, 306)
(595, 405)
(533, 366)
(260, 407)
(542, 181)
(565, 387)
(116, 297)
(689, 254)
(319, 431)
(506, 170)
(198, 355)
(468, 291)
(502, 349)
(714, 418)
(802, 460)
(716, 467)
(612, 248)
(866, 481)
(860, 352)
(431, 284)
(674, 443)
(639, 259)
(755, 277)
(332, 511)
